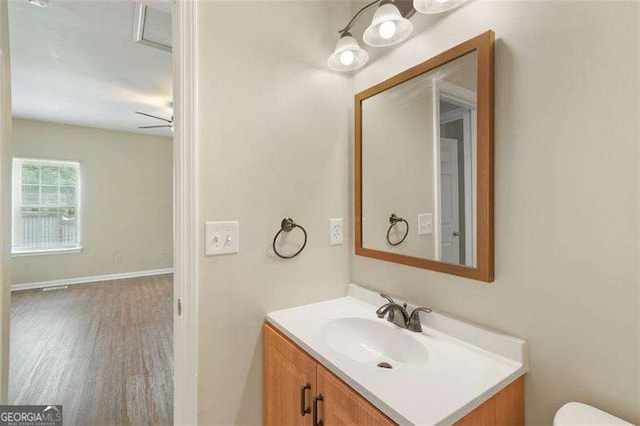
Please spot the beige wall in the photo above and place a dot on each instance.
(566, 141)
(274, 142)
(397, 166)
(126, 199)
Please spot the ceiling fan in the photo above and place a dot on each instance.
(169, 125)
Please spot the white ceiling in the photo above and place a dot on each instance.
(75, 62)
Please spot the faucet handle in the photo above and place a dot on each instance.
(387, 297)
(381, 309)
(414, 319)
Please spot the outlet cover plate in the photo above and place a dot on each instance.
(336, 232)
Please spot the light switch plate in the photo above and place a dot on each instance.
(425, 224)
(336, 234)
(222, 238)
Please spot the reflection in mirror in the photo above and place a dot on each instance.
(419, 163)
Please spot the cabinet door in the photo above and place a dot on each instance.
(289, 381)
(506, 408)
(341, 405)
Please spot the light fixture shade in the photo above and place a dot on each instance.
(348, 55)
(435, 6)
(387, 14)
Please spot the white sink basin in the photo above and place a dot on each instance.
(375, 343)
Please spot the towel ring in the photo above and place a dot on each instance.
(393, 220)
(288, 225)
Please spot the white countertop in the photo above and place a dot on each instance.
(467, 364)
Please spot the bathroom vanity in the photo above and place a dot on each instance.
(337, 363)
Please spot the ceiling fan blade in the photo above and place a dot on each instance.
(153, 116)
(154, 127)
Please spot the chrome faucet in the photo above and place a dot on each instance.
(410, 322)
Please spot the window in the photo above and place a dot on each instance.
(45, 206)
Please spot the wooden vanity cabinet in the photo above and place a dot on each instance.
(289, 381)
(293, 381)
(288, 369)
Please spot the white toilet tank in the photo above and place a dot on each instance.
(576, 413)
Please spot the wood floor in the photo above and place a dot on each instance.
(102, 350)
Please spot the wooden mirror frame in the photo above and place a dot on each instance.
(484, 46)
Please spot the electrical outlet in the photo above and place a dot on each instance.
(118, 258)
(222, 238)
(336, 236)
(163, 255)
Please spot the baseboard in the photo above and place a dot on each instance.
(94, 279)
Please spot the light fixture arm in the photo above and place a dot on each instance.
(406, 10)
(358, 13)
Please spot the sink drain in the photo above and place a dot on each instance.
(385, 365)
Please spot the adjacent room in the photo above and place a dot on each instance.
(92, 200)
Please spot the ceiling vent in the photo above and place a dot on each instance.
(151, 27)
(39, 3)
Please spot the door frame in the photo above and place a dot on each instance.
(185, 212)
(5, 200)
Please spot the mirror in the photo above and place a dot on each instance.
(424, 164)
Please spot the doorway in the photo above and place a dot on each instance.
(457, 180)
(67, 203)
(450, 202)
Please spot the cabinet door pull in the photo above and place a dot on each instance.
(304, 410)
(317, 422)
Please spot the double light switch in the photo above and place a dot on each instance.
(222, 238)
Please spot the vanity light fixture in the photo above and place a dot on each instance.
(431, 7)
(388, 26)
(348, 55)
